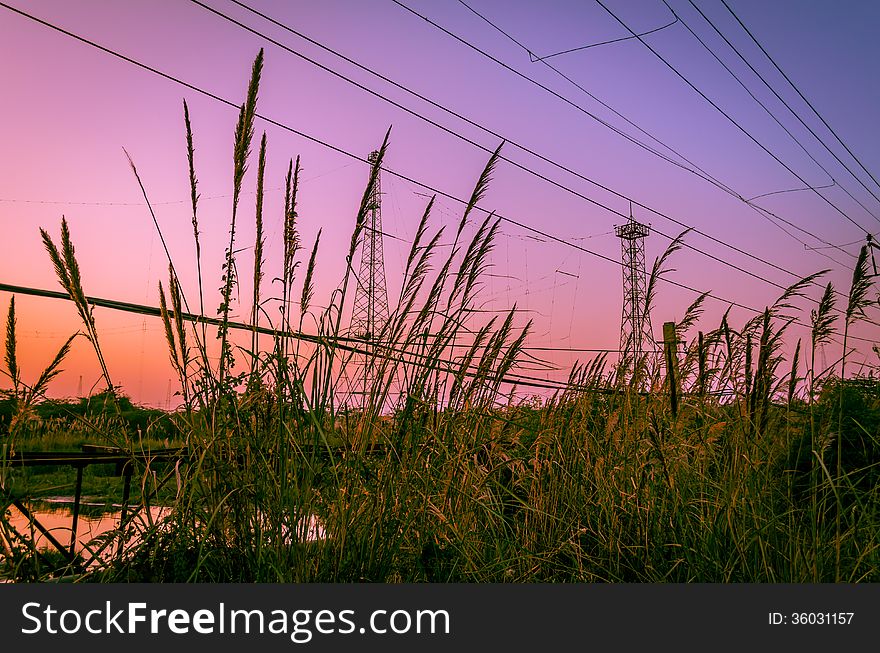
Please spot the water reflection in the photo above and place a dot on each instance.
(56, 516)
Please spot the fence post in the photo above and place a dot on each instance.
(76, 501)
(701, 359)
(669, 348)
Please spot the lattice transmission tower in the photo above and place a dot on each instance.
(635, 325)
(370, 311)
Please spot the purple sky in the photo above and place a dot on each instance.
(68, 110)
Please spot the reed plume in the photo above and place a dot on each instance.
(67, 270)
(258, 261)
(11, 347)
(194, 200)
(308, 290)
(244, 133)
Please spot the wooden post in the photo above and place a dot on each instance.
(76, 500)
(701, 360)
(126, 490)
(669, 344)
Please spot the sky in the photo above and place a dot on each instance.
(69, 109)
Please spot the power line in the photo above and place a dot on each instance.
(485, 129)
(352, 345)
(497, 135)
(693, 169)
(808, 103)
(477, 145)
(17, 200)
(402, 176)
(855, 242)
(344, 343)
(730, 118)
(793, 190)
(769, 215)
(787, 106)
(535, 59)
(774, 118)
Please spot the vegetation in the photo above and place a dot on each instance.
(765, 472)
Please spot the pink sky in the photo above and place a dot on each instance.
(69, 109)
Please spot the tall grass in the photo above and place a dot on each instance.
(440, 476)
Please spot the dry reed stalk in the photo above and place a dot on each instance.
(11, 346)
(194, 200)
(175, 335)
(258, 262)
(292, 246)
(67, 270)
(857, 302)
(23, 396)
(244, 133)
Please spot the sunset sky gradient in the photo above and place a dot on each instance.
(69, 109)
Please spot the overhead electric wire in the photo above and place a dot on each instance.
(798, 91)
(693, 169)
(344, 152)
(702, 174)
(494, 134)
(774, 117)
(792, 190)
(609, 42)
(484, 148)
(730, 118)
(769, 215)
(344, 343)
(783, 101)
(16, 200)
(340, 342)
